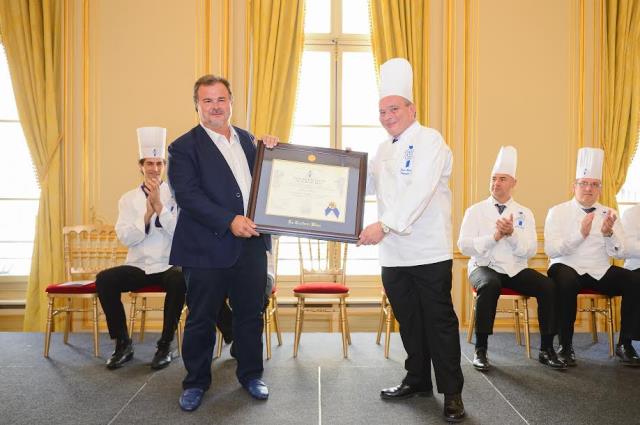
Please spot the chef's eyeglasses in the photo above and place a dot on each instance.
(593, 185)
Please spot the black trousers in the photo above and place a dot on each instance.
(207, 288)
(111, 283)
(616, 281)
(488, 283)
(421, 300)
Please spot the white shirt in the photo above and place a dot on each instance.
(509, 255)
(233, 153)
(149, 252)
(564, 243)
(411, 180)
(631, 225)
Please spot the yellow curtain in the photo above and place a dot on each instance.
(401, 29)
(622, 93)
(277, 40)
(33, 38)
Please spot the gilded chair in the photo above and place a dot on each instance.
(517, 311)
(322, 277)
(270, 315)
(143, 294)
(607, 312)
(88, 249)
(386, 319)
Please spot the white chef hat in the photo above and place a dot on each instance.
(396, 79)
(151, 142)
(506, 162)
(589, 165)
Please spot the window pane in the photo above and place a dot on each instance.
(363, 260)
(8, 109)
(17, 220)
(311, 136)
(630, 191)
(317, 16)
(314, 89)
(359, 89)
(363, 139)
(355, 17)
(17, 174)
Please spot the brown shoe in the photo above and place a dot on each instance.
(453, 408)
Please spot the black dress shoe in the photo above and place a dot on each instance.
(403, 391)
(453, 408)
(162, 358)
(548, 357)
(122, 354)
(567, 355)
(627, 355)
(480, 360)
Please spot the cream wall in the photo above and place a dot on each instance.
(502, 72)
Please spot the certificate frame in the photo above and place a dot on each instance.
(346, 230)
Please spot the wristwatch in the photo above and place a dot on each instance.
(385, 228)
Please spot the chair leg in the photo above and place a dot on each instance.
(343, 326)
(96, 339)
(387, 336)
(179, 336)
(472, 319)
(47, 335)
(610, 323)
(276, 327)
(143, 318)
(220, 343)
(67, 324)
(267, 329)
(516, 318)
(132, 315)
(381, 321)
(594, 319)
(527, 335)
(346, 321)
(298, 326)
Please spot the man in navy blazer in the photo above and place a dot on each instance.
(220, 251)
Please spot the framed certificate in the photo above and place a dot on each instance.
(309, 192)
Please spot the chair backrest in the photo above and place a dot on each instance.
(322, 261)
(89, 249)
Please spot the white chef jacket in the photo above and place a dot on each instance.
(233, 153)
(564, 243)
(147, 251)
(631, 225)
(410, 178)
(509, 255)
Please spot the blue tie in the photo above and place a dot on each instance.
(589, 210)
(500, 208)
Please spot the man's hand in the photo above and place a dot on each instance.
(607, 223)
(242, 227)
(148, 213)
(152, 188)
(585, 226)
(371, 235)
(505, 225)
(270, 141)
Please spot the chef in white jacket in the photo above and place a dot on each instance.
(499, 236)
(580, 238)
(410, 175)
(146, 221)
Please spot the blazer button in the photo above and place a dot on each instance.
(238, 195)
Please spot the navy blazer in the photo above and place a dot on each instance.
(208, 198)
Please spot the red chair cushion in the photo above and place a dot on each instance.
(504, 291)
(150, 288)
(321, 288)
(77, 287)
(587, 291)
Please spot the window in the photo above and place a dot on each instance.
(337, 103)
(629, 195)
(19, 191)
